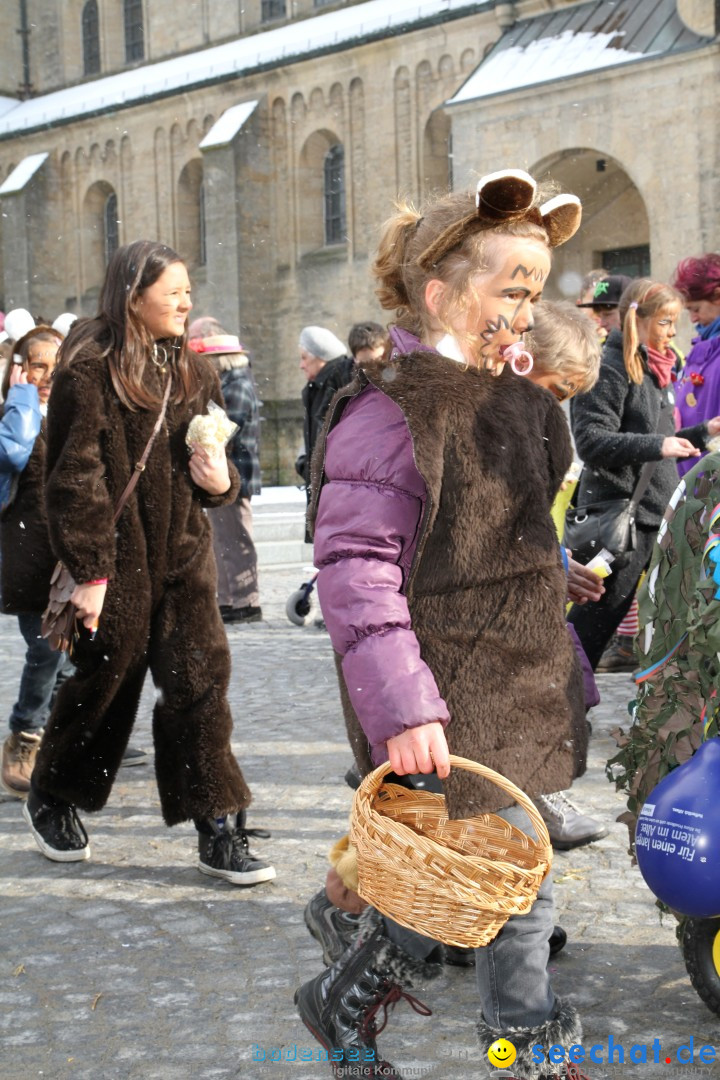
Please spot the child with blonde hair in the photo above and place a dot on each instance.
(442, 586)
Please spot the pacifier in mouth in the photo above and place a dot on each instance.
(518, 357)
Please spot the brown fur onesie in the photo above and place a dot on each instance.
(160, 610)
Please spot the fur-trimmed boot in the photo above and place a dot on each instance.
(346, 1007)
(563, 1029)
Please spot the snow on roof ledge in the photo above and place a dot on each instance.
(283, 44)
(22, 174)
(226, 128)
(543, 60)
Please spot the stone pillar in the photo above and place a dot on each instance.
(24, 204)
(238, 203)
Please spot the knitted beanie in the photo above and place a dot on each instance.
(321, 343)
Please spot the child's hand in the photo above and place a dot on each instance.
(674, 447)
(17, 375)
(209, 473)
(420, 750)
(582, 584)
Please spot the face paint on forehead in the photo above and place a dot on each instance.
(529, 274)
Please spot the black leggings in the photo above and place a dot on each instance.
(595, 623)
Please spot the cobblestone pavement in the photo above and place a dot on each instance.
(133, 966)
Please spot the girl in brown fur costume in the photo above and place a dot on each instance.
(146, 592)
(441, 583)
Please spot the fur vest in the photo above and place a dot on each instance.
(486, 589)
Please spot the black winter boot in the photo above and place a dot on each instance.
(342, 1006)
(563, 1029)
(333, 928)
(224, 851)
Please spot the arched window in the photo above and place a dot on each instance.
(134, 31)
(112, 237)
(334, 188)
(437, 154)
(191, 228)
(99, 236)
(91, 38)
(271, 10)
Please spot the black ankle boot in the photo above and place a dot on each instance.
(57, 829)
(224, 851)
(342, 1007)
(333, 928)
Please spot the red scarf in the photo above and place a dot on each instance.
(661, 364)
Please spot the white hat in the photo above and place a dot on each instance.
(18, 322)
(63, 322)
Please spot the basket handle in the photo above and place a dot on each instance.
(373, 782)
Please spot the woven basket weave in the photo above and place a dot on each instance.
(457, 881)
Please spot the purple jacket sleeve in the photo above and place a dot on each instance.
(366, 532)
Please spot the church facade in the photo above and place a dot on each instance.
(267, 140)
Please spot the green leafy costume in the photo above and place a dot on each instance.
(678, 646)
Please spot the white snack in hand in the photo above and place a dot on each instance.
(211, 431)
(573, 473)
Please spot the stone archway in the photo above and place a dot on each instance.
(615, 232)
(97, 245)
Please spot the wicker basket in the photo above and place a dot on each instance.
(455, 881)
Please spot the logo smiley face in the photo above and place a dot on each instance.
(501, 1054)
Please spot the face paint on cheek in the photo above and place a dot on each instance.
(493, 327)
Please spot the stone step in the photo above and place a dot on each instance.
(272, 527)
(284, 553)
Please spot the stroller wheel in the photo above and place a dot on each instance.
(700, 946)
(298, 607)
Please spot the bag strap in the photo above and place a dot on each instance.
(642, 485)
(140, 466)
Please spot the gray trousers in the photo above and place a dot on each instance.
(512, 978)
(235, 555)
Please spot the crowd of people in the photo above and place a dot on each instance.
(443, 581)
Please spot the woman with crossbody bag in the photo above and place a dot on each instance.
(623, 423)
(145, 596)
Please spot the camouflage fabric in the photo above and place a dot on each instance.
(678, 646)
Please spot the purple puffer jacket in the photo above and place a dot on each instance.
(366, 532)
(703, 360)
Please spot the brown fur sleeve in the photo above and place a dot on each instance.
(79, 506)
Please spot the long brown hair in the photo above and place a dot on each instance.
(121, 333)
(642, 299)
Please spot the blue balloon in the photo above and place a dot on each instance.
(677, 839)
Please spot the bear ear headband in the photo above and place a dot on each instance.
(508, 196)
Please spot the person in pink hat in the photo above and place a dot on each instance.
(238, 593)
